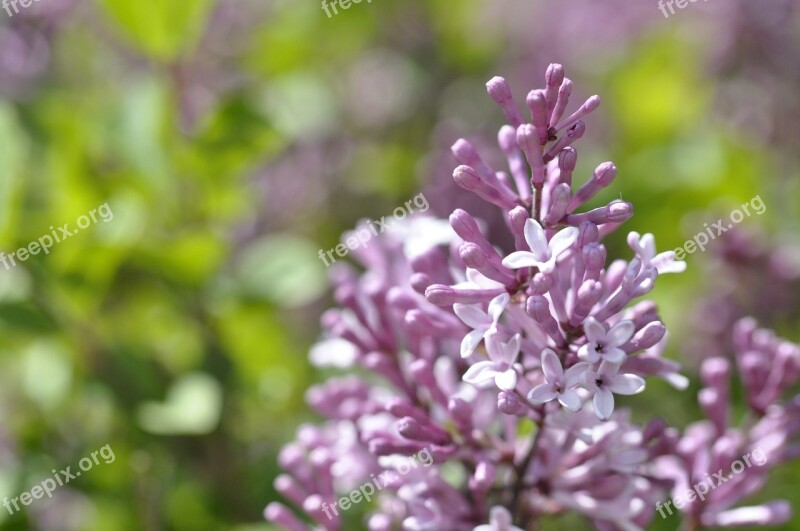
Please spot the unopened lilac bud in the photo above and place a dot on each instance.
(420, 282)
(589, 106)
(538, 307)
(594, 259)
(554, 77)
(588, 295)
(500, 91)
(527, 138)
(648, 336)
(442, 295)
(559, 200)
(279, 514)
(516, 221)
(483, 478)
(715, 407)
(461, 413)
(538, 106)
(431, 261)
(491, 267)
(507, 139)
(411, 428)
(467, 178)
(465, 153)
(541, 283)
(768, 514)
(290, 457)
(509, 403)
(615, 212)
(572, 135)
(603, 176)
(587, 233)
(379, 522)
(716, 372)
(288, 487)
(562, 100)
(313, 506)
(653, 429)
(422, 372)
(567, 160)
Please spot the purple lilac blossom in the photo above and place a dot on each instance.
(465, 343)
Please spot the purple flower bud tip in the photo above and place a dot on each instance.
(577, 131)
(567, 159)
(554, 75)
(508, 403)
(507, 138)
(536, 100)
(440, 295)
(466, 177)
(527, 138)
(591, 104)
(619, 211)
(605, 173)
(464, 152)
(498, 89)
(472, 255)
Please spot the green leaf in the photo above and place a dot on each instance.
(162, 29)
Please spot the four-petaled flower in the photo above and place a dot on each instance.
(542, 254)
(482, 323)
(558, 384)
(500, 365)
(602, 345)
(645, 248)
(605, 383)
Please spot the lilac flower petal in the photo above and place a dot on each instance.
(626, 384)
(587, 352)
(498, 305)
(480, 373)
(594, 330)
(536, 239)
(563, 240)
(506, 381)
(574, 374)
(471, 342)
(511, 349)
(551, 366)
(472, 315)
(614, 355)
(620, 333)
(570, 400)
(542, 393)
(603, 402)
(520, 259)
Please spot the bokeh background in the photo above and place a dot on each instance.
(232, 139)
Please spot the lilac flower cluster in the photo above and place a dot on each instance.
(505, 364)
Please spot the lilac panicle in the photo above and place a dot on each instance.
(504, 365)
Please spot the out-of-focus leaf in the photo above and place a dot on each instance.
(163, 29)
(192, 407)
(284, 269)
